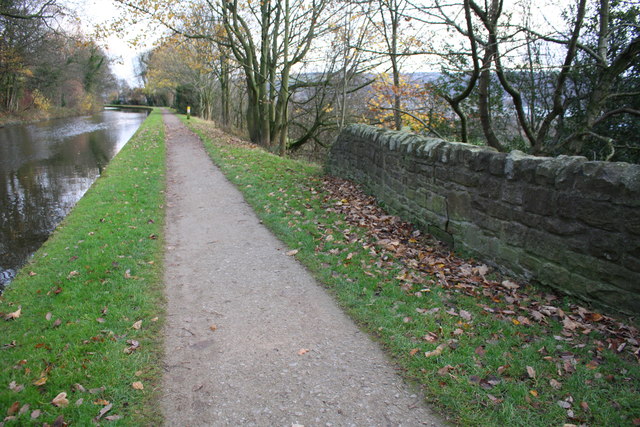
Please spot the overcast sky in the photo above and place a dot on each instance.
(96, 12)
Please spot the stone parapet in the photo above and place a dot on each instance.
(565, 222)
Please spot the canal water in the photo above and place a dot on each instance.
(46, 167)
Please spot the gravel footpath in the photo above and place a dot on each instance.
(251, 339)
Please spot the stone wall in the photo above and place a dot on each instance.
(565, 222)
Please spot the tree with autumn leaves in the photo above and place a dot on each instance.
(506, 79)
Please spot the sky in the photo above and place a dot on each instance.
(95, 12)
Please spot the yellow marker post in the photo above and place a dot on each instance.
(188, 112)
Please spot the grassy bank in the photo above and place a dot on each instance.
(486, 350)
(81, 320)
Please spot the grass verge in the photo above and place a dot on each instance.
(82, 319)
(480, 368)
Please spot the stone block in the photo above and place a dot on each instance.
(497, 164)
(521, 167)
(539, 200)
(598, 214)
(513, 233)
(632, 220)
(489, 186)
(512, 193)
(459, 206)
(562, 227)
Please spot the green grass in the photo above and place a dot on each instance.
(481, 376)
(80, 295)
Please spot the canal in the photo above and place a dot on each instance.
(46, 167)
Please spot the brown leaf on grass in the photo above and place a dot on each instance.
(508, 284)
(133, 346)
(101, 402)
(445, 370)
(437, 352)
(14, 315)
(113, 417)
(137, 385)
(79, 402)
(465, 315)
(57, 323)
(531, 372)
(60, 400)
(127, 274)
(48, 316)
(414, 351)
(41, 381)
(103, 411)
(100, 320)
(35, 414)
(480, 351)
(137, 325)
(503, 368)
(430, 337)
(555, 384)
(24, 409)
(13, 386)
(585, 406)
(13, 409)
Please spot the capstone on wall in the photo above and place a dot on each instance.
(565, 222)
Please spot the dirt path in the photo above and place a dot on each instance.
(224, 268)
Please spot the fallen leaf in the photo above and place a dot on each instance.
(584, 406)
(564, 404)
(103, 411)
(531, 372)
(155, 319)
(113, 417)
(101, 402)
(465, 315)
(303, 351)
(445, 370)
(79, 402)
(133, 346)
(127, 274)
(480, 351)
(510, 285)
(35, 414)
(60, 400)
(100, 320)
(13, 409)
(437, 352)
(25, 408)
(555, 384)
(533, 393)
(57, 323)
(137, 325)
(213, 327)
(13, 386)
(137, 385)
(41, 381)
(292, 252)
(14, 315)
(48, 316)
(79, 387)
(414, 351)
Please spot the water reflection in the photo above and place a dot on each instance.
(45, 168)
